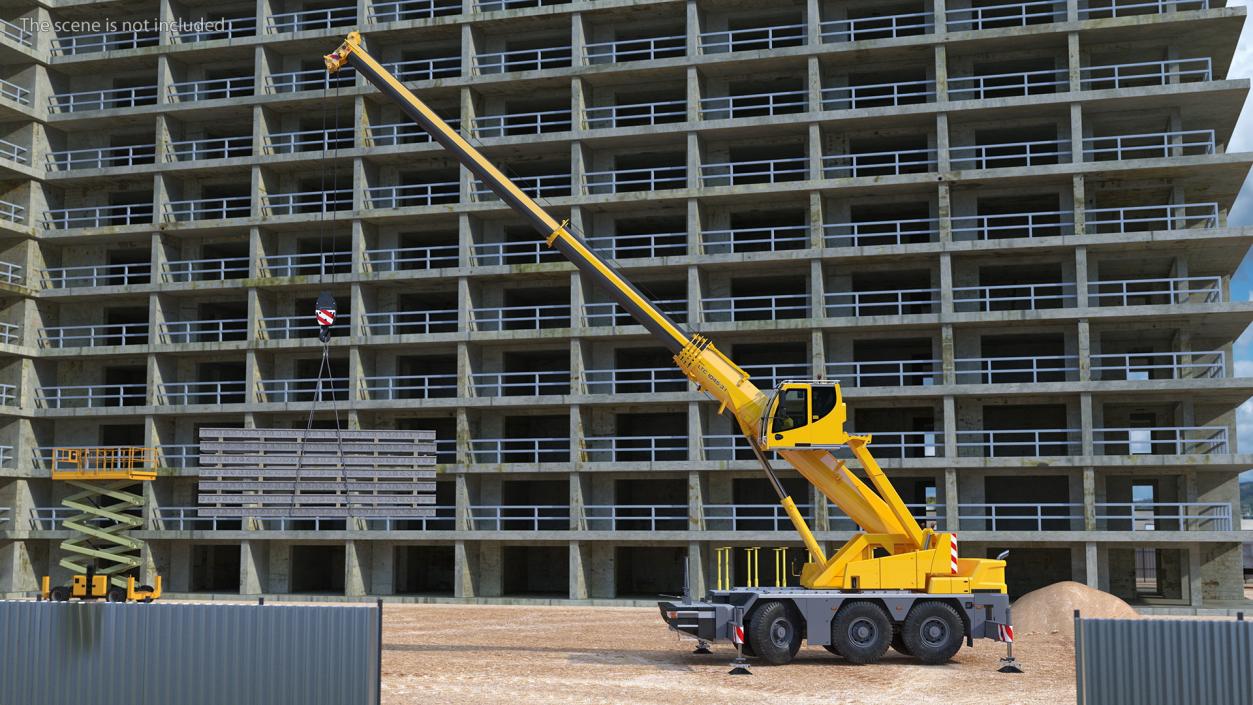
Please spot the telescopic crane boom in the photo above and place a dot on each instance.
(802, 421)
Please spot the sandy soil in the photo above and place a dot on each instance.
(583, 655)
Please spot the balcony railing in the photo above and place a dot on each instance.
(878, 95)
(209, 208)
(1044, 516)
(520, 450)
(12, 91)
(1174, 216)
(1010, 154)
(404, 10)
(635, 380)
(610, 314)
(183, 393)
(536, 186)
(308, 202)
(14, 152)
(413, 195)
(732, 446)
(308, 80)
(102, 158)
(10, 333)
(1032, 442)
(520, 517)
(523, 60)
(210, 148)
(640, 245)
(635, 114)
(308, 264)
(74, 44)
(12, 273)
(403, 258)
(291, 327)
(1156, 145)
(753, 105)
(98, 216)
(97, 275)
(886, 373)
(869, 233)
(304, 20)
(626, 449)
(392, 387)
(1014, 297)
(751, 517)
(532, 123)
(636, 517)
(215, 28)
(1000, 226)
(1163, 440)
(756, 308)
(396, 133)
(15, 33)
(753, 38)
(211, 89)
(856, 29)
(758, 171)
(285, 391)
(772, 375)
(908, 444)
(425, 69)
(1164, 516)
(1017, 370)
(105, 99)
(213, 269)
(521, 384)
(411, 322)
(92, 396)
(890, 302)
(1120, 8)
(8, 397)
(1211, 364)
(12, 212)
(494, 254)
(1146, 73)
(309, 140)
(1148, 292)
(894, 163)
(649, 179)
(1007, 85)
(783, 237)
(1017, 14)
(205, 331)
(648, 49)
(91, 336)
(503, 318)
(497, 5)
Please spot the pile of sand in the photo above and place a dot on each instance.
(1052, 608)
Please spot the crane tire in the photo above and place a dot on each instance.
(775, 633)
(933, 632)
(115, 594)
(861, 632)
(898, 643)
(60, 593)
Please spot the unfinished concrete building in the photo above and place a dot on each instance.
(1002, 225)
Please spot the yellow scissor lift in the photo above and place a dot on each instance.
(100, 550)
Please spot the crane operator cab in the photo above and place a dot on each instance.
(803, 415)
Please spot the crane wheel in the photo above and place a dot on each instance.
(861, 632)
(60, 593)
(775, 633)
(933, 632)
(898, 643)
(115, 594)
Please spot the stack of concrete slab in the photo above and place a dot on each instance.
(267, 472)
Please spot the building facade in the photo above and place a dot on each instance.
(1001, 225)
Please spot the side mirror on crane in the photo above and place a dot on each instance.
(804, 414)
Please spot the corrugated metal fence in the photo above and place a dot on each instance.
(191, 654)
(1163, 661)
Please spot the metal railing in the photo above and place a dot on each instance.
(1155, 145)
(756, 171)
(210, 148)
(102, 158)
(1120, 8)
(867, 233)
(183, 393)
(890, 302)
(751, 517)
(1004, 85)
(729, 446)
(519, 517)
(91, 395)
(886, 373)
(636, 517)
(307, 202)
(12, 273)
(495, 5)
(309, 80)
(97, 275)
(783, 237)
(1014, 297)
(537, 186)
(635, 380)
(1141, 366)
(1009, 154)
(753, 105)
(999, 226)
(309, 140)
(520, 384)
(625, 449)
(392, 387)
(1161, 440)
(646, 49)
(756, 308)
(1148, 292)
(308, 264)
(73, 44)
(104, 99)
(284, 391)
(1016, 369)
(1016, 443)
(493, 254)
(520, 450)
(532, 123)
(1008, 516)
(14, 152)
(501, 318)
(1171, 216)
(404, 10)
(303, 20)
(413, 195)
(908, 444)
(90, 336)
(217, 28)
(12, 91)
(892, 163)
(210, 89)
(1146, 73)
(411, 322)
(1017, 14)
(753, 38)
(425, 69)
(290, 327)
(610, 314)
(10, 333)
(771, 375)
(12, 212)
(1164, 516)
(16, 33)
(523, 60)
(397, 133)
(856, 29)
(640, 245)
(878, 95)
(8, 397)
(401, 258)
(646, 179)
(98, 216)
(635, 114)
(205, 331)
(209, 208)
(213, 269)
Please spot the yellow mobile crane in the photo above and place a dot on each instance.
(895, 583)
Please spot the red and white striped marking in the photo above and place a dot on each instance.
(737, 634)
(326, 316)
(1005, 633)
(953, 553)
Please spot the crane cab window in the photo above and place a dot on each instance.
(793, 410)
(824, 401)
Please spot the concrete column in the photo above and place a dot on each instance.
(579, 559)
(1081, 277)
(695, 431)
(950, 425)
(252, 567)
(813, 73)
(1085, 424)
(941, 64)
(813, 152)
(951, 522)
(818, 353)
(813, 23)
(943, 161)
(693, 28)
(465, 569)
(946, 285)
(1084, 340)
(461, 512)
(695, 502)
(1089, 499)
(578, 39)
(948, 357)
(1195, 590)
(1091, 566)
(817, 290)
(357, 560)
(696, 578)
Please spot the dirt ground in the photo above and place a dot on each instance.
(468, 654)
